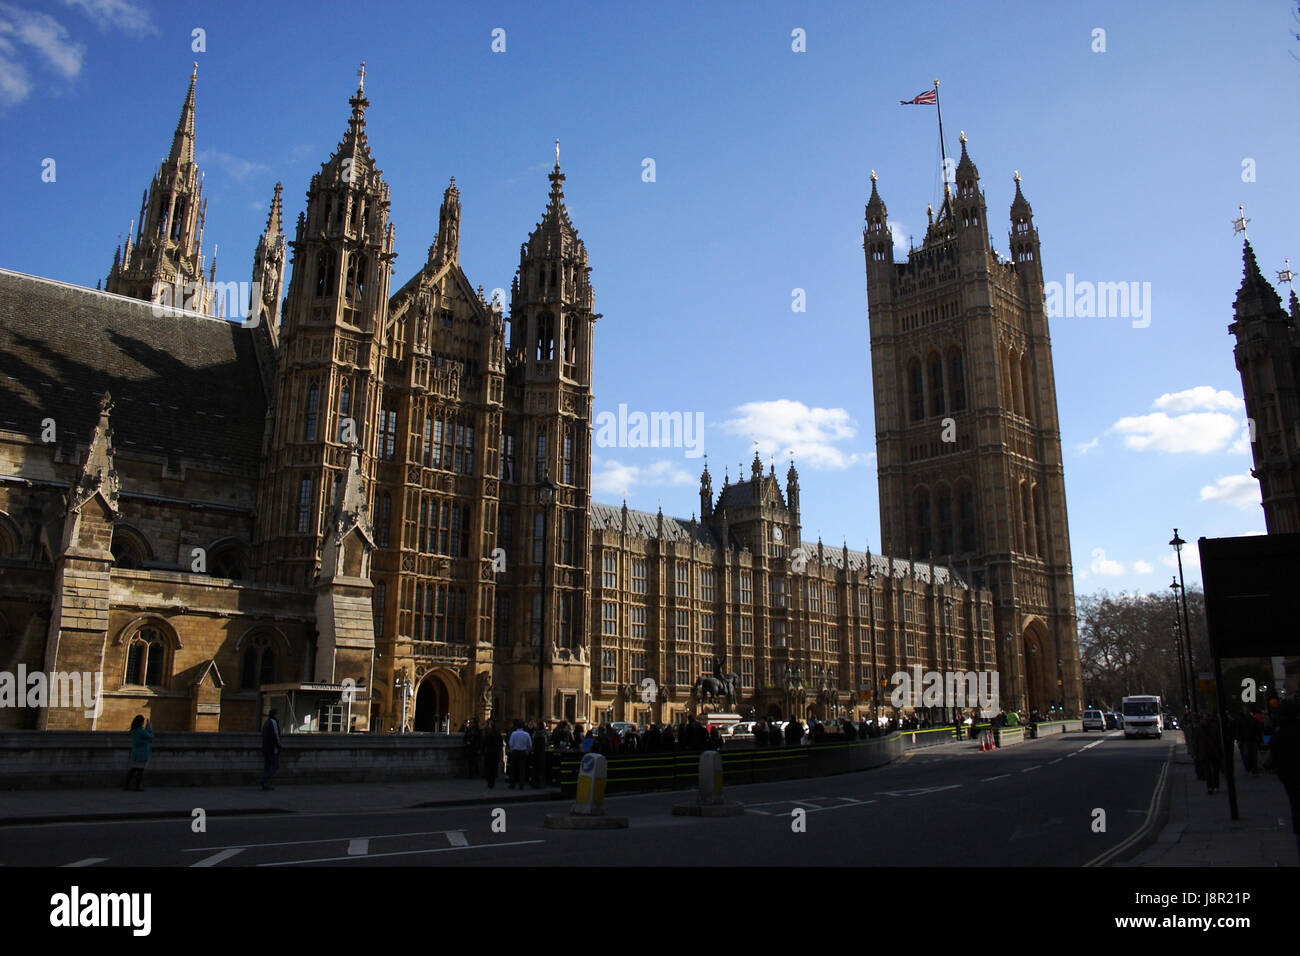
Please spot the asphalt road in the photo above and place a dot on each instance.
(1030, 805)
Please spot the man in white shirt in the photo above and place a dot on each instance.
(520, 744)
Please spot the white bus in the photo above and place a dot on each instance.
(1141, 716)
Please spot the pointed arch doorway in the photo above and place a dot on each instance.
(432, 704)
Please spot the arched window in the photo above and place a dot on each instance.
(362, 264)
(345, 408)
(966, 517)
(1026, 509)
(178, 219)
(10, 539)
(313, 405)
(1013, 371)
(936, 385)
(146, 658)
(1039, 527)
(258, 664)
(1027, 391)
(924, 538)
(545, 337)
(130, 549)
(915, 391)
(385, 518)
(228, 559)
(957, 379)
(943, 497)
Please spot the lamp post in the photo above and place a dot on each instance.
(1015, 683)
(871, 614)
(1178, 633)
(1177, 544)
(545, 498)
(948, 653)
(403, 687)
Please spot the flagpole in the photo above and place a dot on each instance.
(943, 152)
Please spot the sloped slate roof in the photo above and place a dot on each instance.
(646, 525)
(182, 383)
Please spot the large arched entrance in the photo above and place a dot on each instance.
(1039, 668)
(432, 704)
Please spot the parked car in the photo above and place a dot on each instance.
(1112, 721)
(1094, 720)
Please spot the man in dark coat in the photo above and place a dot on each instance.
(652, 739)
(793, 732)
(270, 748)
(760, 733)
(537, 763)
(666, 738)
(1284, 746)
(472, 745)
(774, 734)
(493, 745)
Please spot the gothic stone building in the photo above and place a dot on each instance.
(967, 438)
(374, 506)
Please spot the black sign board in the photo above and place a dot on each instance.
(1252, 594)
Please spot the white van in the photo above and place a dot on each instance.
(1141, 716)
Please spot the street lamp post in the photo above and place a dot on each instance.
(1178, 633)
(1177, 544)
(545, 498)
(871, 614)
(404, 688)
(948, 654)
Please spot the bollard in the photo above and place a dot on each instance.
(588, 810)
(709, 802)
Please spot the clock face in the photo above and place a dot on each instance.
(777, 534)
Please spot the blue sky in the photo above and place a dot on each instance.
(1132, 158)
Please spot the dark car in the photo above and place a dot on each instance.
(1112, 722)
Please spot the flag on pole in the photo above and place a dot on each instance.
(928, 98)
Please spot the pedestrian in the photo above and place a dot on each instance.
(760, 733)
(1211, 751)
(539, 755)
(1284, 745)
(493, 744)
(520, 744)
(793, 733)
(141, 739)
(589, 742)
(666, 738)
(715, 739)
(652, 739)
(1247, 732)
(774, 736)
(270, 748)
(472, 746)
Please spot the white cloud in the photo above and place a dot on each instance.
(1242, 445)
(1102, 565)
(785, 426)
(1199, 432)
(902, 241)
(1191, 557)
(614, 479)
(24, 31)
(1201, 398)
(1240, 491)
(240, 170)
(121, 15)
(1088, 446)
(1142, 567)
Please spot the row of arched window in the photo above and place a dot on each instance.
(943, 520)
(1017, 382)
(936, 387)
(151, 648)
(327, 273)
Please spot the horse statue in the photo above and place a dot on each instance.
(720, 685)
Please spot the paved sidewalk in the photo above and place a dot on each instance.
(65, 806)
(1201, 832)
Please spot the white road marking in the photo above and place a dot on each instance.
(88, 861)
(445, 849)
(920, 791)
(218, 857)
(359, 847)
(1034, 767)
(457, 838)
(1057, 760)
(998, 777)
(255, 846)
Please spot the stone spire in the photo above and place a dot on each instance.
(99, 473)
(446, 247)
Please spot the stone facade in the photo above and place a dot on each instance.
(967, 436)
(377, 504)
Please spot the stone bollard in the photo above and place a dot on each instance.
(588, 810)
(709, 802)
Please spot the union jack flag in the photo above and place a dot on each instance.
(928, 98)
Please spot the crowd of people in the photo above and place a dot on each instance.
(1277, 725)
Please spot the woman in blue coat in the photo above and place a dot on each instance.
(141, 738)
